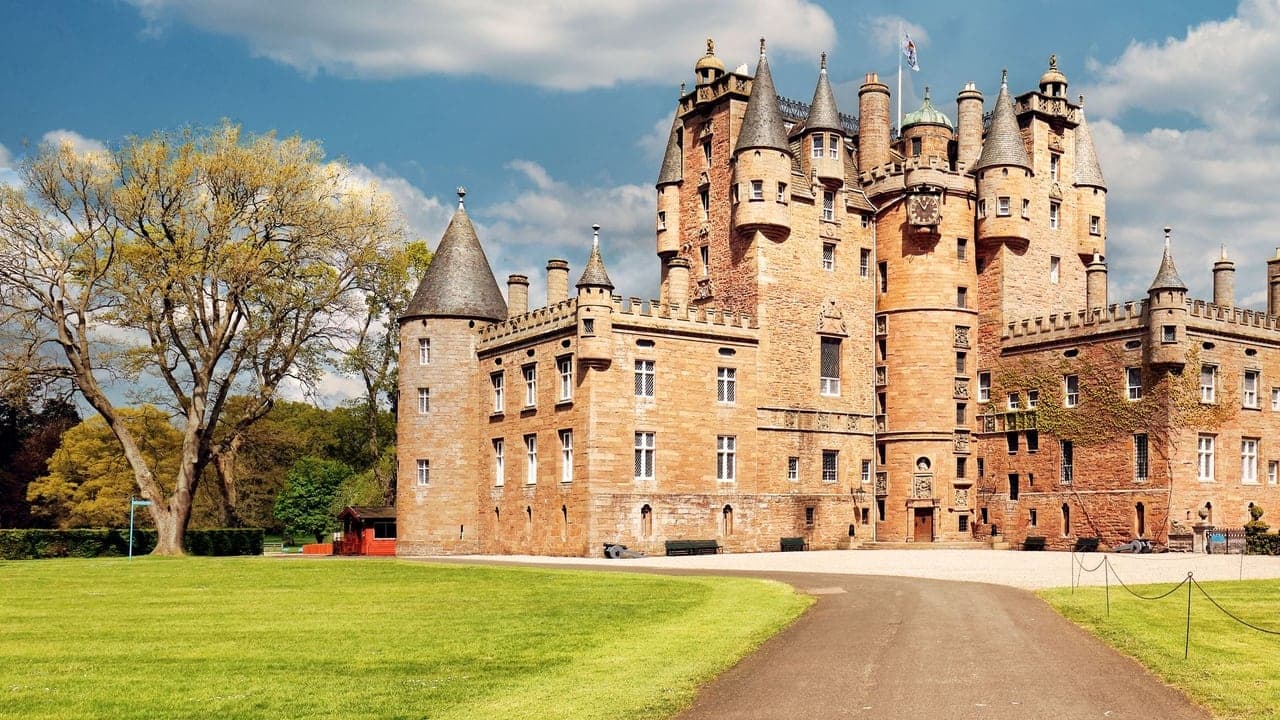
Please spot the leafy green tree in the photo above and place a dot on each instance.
(218, 263)
(30, 429)
(306, 503)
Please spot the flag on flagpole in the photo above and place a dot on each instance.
(909, 52)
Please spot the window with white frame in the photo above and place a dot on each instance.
(1141, 458)
(1033, 399)
(499, 462)
(833, 147)
(564, 367)
(864, 262)
(828, 256)
(424, 472)
(424, 401)
(1204, 458)
(1015, 399)
(793, 469)
(644, 377)
(1070, 390)
(865, 219)
(1133, 383)
(1054, 161)
(1055, 269)
(757, 190)
(818, 145)
(982, 208)
(530, 385)
(1249, 460)
(1054, 209)
(704, 254)
(531, 459)
(866, 472)
(1273, 472)
(830, 466)
(1002, 206)
(645, 448)
(726, 385)
(1275, 398)
(1066, 461)
(1026, 209)
(782, 193)
(499, 395)
(1208, 384)
(566, 456)
(828, 205)
(424, 351)
(1250, 398)
(829, 372)
(1095, 225)
(662, 220)
(984, 387)
(726, 458)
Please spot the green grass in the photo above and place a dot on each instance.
(291, 638)
(1232, 670)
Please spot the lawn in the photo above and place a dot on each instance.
(302, 638)
(1232, 670)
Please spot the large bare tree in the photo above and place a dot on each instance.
(217, 264)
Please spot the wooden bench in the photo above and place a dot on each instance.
(1087, 544)
(692, 547)
(793, 544)
(1033, 543)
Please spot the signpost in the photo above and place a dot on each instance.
(134, 504)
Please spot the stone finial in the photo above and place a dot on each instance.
(761, 46)
(595, 236)
(1004, 77)
(711, 46)
(1167, 231)
(824, 61)
(1053, 62)
(462, 193)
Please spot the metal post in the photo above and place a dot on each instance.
(1186, 650)
(1107, 573)
(133, 504)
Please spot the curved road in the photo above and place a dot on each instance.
(893, 647)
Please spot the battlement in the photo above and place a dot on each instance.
(1079, 323)
(534, 322)
(654, 315)
(895, 177)
(728, 83)
(1206, 316)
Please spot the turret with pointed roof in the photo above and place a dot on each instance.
(670, 177)
(1088, 171)
(595, 309)
(1167, 314)
(1167, 277)
(594, 274)
(762, 124)
(824, 134)
(1003, 145)
(823, 113)
(459, 281)
(762, 160)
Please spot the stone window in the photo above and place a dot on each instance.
(1033, 441)
(915, 147)
(1095, 225)
(982, 208)
(1133, 383)
(864, 262)
(1054, 209)
(782, 193)
(830, 466)
(808, 516)
(962, 467)
(1002, 206)
(984, 387)
(1011, 440)
(704, 254)
(1015, 400)
(866, 472)
(828, 257)
(1275, 398)
(726, 458)
(793, 469)
(1250, 398)
(1055, 269)
(880, 509)
(757, 190)
(530, 385)
(982, 467)
(962, 521)
(1033, 399)
(1208, 384)
(646, 521)
(866, 220)
(962, 297)
(1169, 334)
(588, 327)
(962, 248)
(499, 396)
(531, 459)
(961, 413)
(833, 146)
(818, 141)
(1273, 472)
(499, 462)
(828, 206)
(424, 471)
(1013, 491)
(424, 351)
(726, 385)
(1070, 390)
(1066, 461)
(1204, 458)
(1249, 461)
(704, 197)
(1141, 458)
(564, 367)
(645, 448)
(566, 456)
(961, 358)
(1032, 518)
(662, 220)
(424, 401)
(706, 153)
(644, 378)
(829, 371)
(734, 195)
(1026, 209)
(1054, 161)
(1140, 519)
(883, 269)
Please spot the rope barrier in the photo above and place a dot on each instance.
(1230, 614)
(1094, 568)
(1144, 597)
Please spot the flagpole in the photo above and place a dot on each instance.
(900, 78)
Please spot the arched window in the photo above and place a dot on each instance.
(646, 521)
(726, 520)
(1140, 512)
(1066, 520)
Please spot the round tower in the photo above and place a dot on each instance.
(823, 138)
(927, 133)
(678, 283)
(1091, 192)
(670, 178)
(762, 161)
(873, 123)
(1095, 279)
(595, 309)
(439, 415)
(1224, 280)
(1004, 177)
(969, 126)
(1167, 314)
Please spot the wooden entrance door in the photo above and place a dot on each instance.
(924, 525)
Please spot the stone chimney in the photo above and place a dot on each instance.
(517, 295)
(1273, 284)
(557, 281)
(873, 123)
(678, 282)
(1096, 282)
(1224, 280)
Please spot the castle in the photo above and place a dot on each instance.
(863, 333)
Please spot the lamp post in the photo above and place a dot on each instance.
(134, 504)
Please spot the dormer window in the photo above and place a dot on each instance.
(818, 145)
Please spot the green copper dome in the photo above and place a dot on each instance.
(927, 115)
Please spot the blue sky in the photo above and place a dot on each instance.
(553, 114)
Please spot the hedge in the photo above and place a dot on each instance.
(39, 544)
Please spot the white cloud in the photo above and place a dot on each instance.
(8, 173)
(653, 144)
(567, 45)
(78, 142)
(425, 216)
(1211, 176)
(885, 32)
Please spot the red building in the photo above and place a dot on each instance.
(367, 531)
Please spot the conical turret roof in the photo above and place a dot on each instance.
(1003, 145)
(459, 281)
(1088, 171)
(672, 161)
(823, 114)
(1167, 277)
(762, 125)
(594, 274)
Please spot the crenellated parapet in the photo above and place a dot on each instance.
(530, 324)
(1204, 316)
(1082, 323)
(895, 177)
(636, 313)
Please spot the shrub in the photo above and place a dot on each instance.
(40, 544)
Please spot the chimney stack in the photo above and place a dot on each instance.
(557, 281)
(517, 295)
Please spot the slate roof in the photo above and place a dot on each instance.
(823, 114)
(762, 124)
(673, 160)
(459, 281)
(594, 274)
(1088, 171)
(1167, 277)
(1003, 144)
